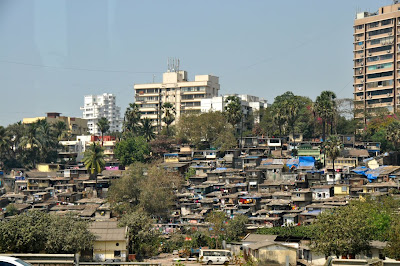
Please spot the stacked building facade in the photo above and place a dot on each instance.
(376, 74)
(98, 106)
(175, 88)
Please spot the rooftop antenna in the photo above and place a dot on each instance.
(173, 64)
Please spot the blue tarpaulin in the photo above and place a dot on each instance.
(306, 161)
(360, 170)
(292, 162)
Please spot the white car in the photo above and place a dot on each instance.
(11, 261)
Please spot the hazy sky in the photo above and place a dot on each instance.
(53, 52)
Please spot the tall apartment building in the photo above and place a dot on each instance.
(98, 106)
(176, 89)
(376, 67)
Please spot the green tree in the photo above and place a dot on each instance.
(103, 125)
(60, 129)
(236, 227)
(124, 193)
(344, 231)
(5, 145)
(132, 149)
(393, 133)
(49, 142)
(217, 222)
(393, 246)
(205, 130)
(325, 107)
(233, 110)
(131, 118)
(157, 196)
(11, 210)
(68, 234)
(168, 115)
(144, 239)
(93, 159)
(147, 129)
(36, 231)
(332, 148)
(31, 143)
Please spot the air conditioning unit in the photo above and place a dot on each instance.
(369, 54)
(361, 98)
(362, 47)
(369, 38)
(362, 56)
(390, 34)
(357, 39)
(388, 51)
(360, 72)
(362, 64)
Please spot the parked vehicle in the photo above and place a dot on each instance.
(11, 261)
(215, 256)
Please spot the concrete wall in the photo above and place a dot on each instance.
(277, 254)
(104, 250)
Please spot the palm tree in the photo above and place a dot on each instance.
(169, 114)
(48, 141)
(16, 132)
(147, 129)
(93, 159)
(332, 147)
(30, 141)
(393, 133)
(279, 116)
(131, 118)
(233, 110)
(325, 107)
(60, 129)
(5, 145)
(104, 125)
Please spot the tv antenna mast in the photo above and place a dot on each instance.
(173, 64)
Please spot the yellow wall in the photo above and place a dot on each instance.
(106, 249)
(45, 168)
(76, 126)
(338, 190)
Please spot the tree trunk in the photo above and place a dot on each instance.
(323, 130)
(334, 173)
(95, 188)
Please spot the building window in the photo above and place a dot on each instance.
(117, 253)
(344, 189)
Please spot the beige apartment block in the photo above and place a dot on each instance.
(75, 126)
(376, 67)
(176, 89)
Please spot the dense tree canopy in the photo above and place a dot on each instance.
(146, 187)
(132, 149)
(36, 231)
(206, 129)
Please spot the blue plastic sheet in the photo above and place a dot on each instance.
(306, 161)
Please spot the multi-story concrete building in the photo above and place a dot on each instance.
(98, 106)
(376, 47)
(250, 104)
(176, 89)
(75, 126)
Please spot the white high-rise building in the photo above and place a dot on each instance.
(98, 106)
(249, 103)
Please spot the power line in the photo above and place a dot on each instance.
(79, 69)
